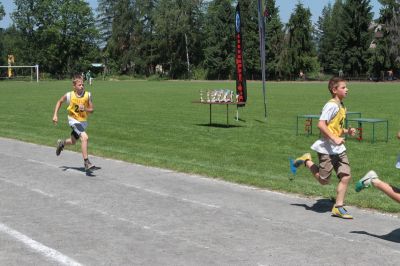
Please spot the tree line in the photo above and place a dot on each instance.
(194, 39)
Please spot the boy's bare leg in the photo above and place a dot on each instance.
(70, 141)
(389, 190)
(341, 190)
(315, 171)
(84, 144)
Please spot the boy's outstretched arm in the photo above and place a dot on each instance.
(58, 105)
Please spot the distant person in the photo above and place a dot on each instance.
(89, 77)
(80, 105)
(390, 75)
(301, 75)
(330, 148)
(372, 178)
(341, 73)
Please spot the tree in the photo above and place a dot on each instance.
(61, 34)
(388, 46)
(120, 43)
(355, 36)
(274, 41)
(2, 12)
(301, 52)
(219, 31)
(250, 38)
(178, 27)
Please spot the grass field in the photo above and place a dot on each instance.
(154, 123)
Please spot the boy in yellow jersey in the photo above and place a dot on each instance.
(80, 105)
(330, 148)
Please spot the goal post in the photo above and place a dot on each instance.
(20, 72)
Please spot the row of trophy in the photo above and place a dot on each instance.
(218, 96)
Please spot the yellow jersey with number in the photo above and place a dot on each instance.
(336, 125)
(74, 102)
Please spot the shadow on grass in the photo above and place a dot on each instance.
(393, 236)
(81, 169)
(321, 206)
(218, 125)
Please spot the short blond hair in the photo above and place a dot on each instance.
(76, 78)
(334, 83)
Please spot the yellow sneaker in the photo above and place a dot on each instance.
(341, 212)
(302, 159)
(294, 164)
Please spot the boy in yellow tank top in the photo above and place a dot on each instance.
(330, 147)
(80, 105)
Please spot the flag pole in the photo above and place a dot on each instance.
(261, 30)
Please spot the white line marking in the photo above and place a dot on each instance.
(42, 192)
(42, 163)
(38, 247)
(168, 195)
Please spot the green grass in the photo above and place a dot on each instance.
(155, 123)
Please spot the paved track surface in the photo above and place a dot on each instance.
(52, 213)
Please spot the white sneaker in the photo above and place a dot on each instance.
(366, 180)
(398, 162)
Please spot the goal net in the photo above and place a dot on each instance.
(24, 73)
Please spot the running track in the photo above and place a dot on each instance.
(52, 213)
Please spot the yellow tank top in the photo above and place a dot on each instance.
(73, 108)
(336, 125)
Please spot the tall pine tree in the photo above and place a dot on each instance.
(219, 31)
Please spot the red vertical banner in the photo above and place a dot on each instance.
(241, 89)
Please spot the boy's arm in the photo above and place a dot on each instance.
(90, 107)
(323, 126)
(350, 131)
(58, 105)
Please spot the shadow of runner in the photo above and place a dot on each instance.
(81, 169)
(218, 125)
(393, 236)
(321, 206)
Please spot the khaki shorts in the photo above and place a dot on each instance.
(337, 162)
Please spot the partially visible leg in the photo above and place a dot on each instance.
(389, 190)
(62, 142)
(84, 144)
(342, 168)
(315, 171)
(342, 189)
(70, 141)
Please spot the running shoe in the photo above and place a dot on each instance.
(341, 212)
(365, 181)
(60, 146)
(88, 165)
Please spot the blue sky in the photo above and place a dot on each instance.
(285, 8)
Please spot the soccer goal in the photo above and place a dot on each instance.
(25, 73)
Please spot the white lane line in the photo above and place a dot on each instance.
(159, 193)
(195, 202)
(38, 247)
(81, 205)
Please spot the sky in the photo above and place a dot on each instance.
(286, 7)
